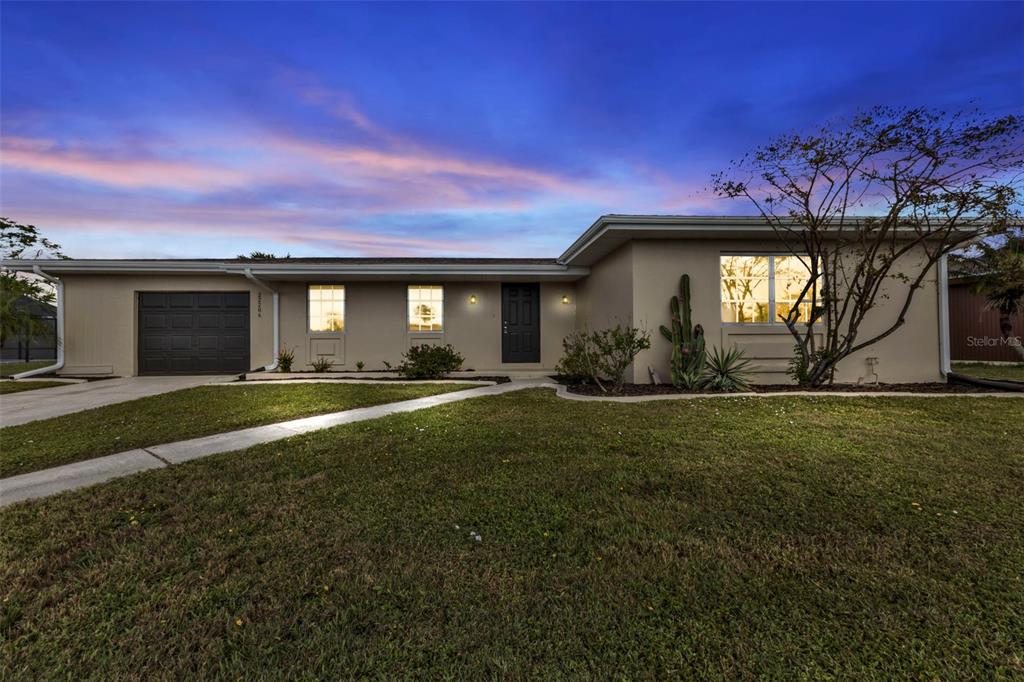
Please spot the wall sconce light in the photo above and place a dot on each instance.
(472, 299)
(565, 300)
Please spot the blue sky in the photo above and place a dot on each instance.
(180, 130)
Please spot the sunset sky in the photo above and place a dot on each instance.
(181, 130)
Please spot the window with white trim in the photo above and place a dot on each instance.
(326, 307)
(762, 289)
(426, 308)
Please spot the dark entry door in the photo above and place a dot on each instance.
(203, 332)
(520, 323)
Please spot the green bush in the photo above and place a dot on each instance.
(727, 370)
(602, 356)
(285, 359)
(429, 362)
(322, 365)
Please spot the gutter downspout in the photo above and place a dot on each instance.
(943, 282)
(277, 315)
(59, 285)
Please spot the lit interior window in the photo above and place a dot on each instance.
(326, 307)
(763, 289)
(426, 308)
(745, 288)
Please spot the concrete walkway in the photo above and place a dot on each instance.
(81, 474)
(27, 406)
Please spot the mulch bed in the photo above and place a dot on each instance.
(315, 375)
(669, 389)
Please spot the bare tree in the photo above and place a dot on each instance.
(880, 198)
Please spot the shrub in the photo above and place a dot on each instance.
(727, 370)
(602, 356)
(285, 358)
(429, 362)
(322, 365)
(359, 365)
(577, 358)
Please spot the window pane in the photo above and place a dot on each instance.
(793, 267)
(745, 288)
(326, 307)
(782, 311)
(791, 275)
(426, 306)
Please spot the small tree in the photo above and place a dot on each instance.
(23, 241)
(602, 356)
(931, 183)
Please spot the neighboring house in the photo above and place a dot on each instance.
(974, 333)
(127, 317)
(40, 346)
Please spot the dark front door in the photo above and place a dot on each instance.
(520, 323)
(205, 332)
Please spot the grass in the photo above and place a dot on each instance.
(11, 368)
(985, 371)
(7, 387)
(184, 414)
(785, 538)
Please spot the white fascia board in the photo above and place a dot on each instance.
(623, 226)
(663, 224)
(297, 269)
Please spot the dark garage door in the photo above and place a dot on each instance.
(203, 332)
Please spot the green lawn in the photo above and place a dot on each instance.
(789, 538)
(180, 415)
(979, 369)
(11, 368)
(19, 386)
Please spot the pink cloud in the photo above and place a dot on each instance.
(49, 157)
(324, 232)
(384, 179)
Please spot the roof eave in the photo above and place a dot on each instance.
(379, 270)
(737, 226)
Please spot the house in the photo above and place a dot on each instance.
(129, 317)
(974, 334)
(21, 348)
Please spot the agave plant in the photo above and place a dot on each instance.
(727, 370)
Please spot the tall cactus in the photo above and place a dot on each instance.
(688, 353)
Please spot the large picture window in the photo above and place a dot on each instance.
(326, 307)
(761, 289)
(426, 308)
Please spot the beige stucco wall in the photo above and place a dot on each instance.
(606, 294)
(632, 285)
(910, 354)
(101, 318)
(376, 325)
(101, 322)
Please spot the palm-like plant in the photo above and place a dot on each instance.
(727, 370)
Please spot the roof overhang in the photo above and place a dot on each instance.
(309, 271)
(609, 232)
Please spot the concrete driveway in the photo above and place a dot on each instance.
(27, 406)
